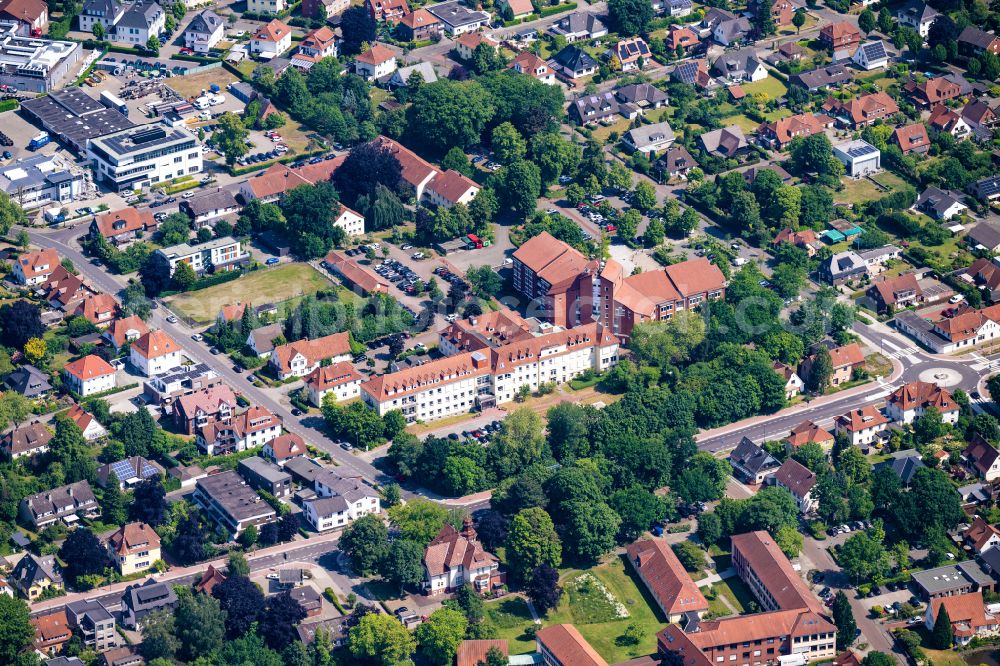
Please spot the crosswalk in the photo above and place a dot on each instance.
(980, 362)
(890, 348)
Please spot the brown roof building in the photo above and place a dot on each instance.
(456, 558)
(933, 91)
(899, 292)
(803, 238)
(557, 278)
(911, 400)
(840, 36)
(912, 138)
(563, 645)
(807, 432)
(781, 132)
(799, 480)
(655, 295)
(471, 653)
(125, 330)
(123, 225)
(52, 631)
(358, 276)
(666, 579)
(194, 410)
(209, 580)
(28, 440)
(301, 357)
(865, 110)
(420, 25)
(980, 535)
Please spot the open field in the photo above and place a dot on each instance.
(511, 617)
(602, 132)
(190, 86)
(266, 286)
(859, 190)
(770, 86)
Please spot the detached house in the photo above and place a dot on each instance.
(316, 45)
(861, 111)
(780, 133)
(105, 12)
(198, 409)
(454, 558)
(579, 26)
(751, 462)
(449, 188)
(467, 44)
(932, 92)
(144, 19)
(419, 26)
(340, 380)
(981, 536)
(89, 375)
(861, 426)
(983, 458)
(917, 15)
(67, 504)
(739, 66)
(944, 119)
(938, 204)
(340, 501)
(390, 11)
(204, 31)
(968, 616)
(155, 353)
(840, 36)
(725, 142)
(844, 361)
(912, 139)
(974, 41)
(649, 139)
(898, 292)
(134, 547)
(34, 268)
(798, 480)
(681, 37)
(271, 40)
(573, 64)
(910, 401)
(528, 63)
(34, 574)
(28, 440)
(871, 55)
(807, 432)
(298, 359)
(632, 53)
(255, 427)
(123, 226)
(376, 62)
(284, 448)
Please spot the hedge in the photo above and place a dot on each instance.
(180, 187)
(206, 282)
(8, 105)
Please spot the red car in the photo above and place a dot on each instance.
(610, 228)
(948, 313)
(186, 51)
(478, 434)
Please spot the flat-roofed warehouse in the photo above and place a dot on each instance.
(32, 64)
(74, 117)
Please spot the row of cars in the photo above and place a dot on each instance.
(481, 435)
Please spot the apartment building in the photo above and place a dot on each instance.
(265, 476)
(66, 503)
(625, 300)
(94, 622)
(141, 156)
(299, 358)
(41, 180)
(89, 375)
(340, 501)
(861, 426)
(340, 379)
(199, 409)
(255, 427)
(219, 254)
(139, 600)
(911, 401)
(134, 547)
(231, 503)
(557, 280)
(142, 20)
(484, 369)
(791, 624)
(155, 353)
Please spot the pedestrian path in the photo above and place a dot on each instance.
(717, 577)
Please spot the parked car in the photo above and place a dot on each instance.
(271, 261)
(197, 337)
(172, 319)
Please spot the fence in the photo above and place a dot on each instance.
(203, 68)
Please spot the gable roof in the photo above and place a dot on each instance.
(133, 537)
(552, 260)
(314, 351)
(30, 437)
(806, 432)
(569, 646)
(472, 652)
(574, 59)
(861, 418)
(126, 220)
(666, 577)
(796, 477)
(376, 55)
(452, 185)
(451, 549)
(40, 262)
(275, 31)
(155, 344)
(888, 288)
(911, 136)
(120, 329)
(751, 457)
(849, 354)
(979, 533)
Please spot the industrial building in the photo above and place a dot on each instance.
(40, 180)
(74, 117)
(32, 64)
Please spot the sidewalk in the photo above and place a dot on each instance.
(182, 572)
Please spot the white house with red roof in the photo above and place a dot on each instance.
(316, 45)
(376, 62)
(85, 421)
(340, 380)
(271, 40)
(528, 63)
(861, 426)
(155, 353)
(352, 222)
(299, 358)
(34, 268)
(126, 329)
(450, 188)
(89, 375)
(453, 559)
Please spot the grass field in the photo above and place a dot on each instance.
(602, 132)
(189, 86)
(770, 86)
(511, 617)
(267, 286)
(736, 592)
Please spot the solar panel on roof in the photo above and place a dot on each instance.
(861, 150)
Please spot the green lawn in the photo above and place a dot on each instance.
(736, 592)
(748, 125)
(770, 86)
(856, 191)
(596, 617)
(511, 617)
(602, 132)
(265, 286)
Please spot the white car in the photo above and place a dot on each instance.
(957, 298)
(450, 318)
(197, 337)
(417, 256)
(187, 195)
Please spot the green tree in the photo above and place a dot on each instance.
(153, 45)
(450, 113)
(16, 630)
(629, 17)
(183, 277)
(843, 617)
(508, 144)
(929, 426)
(366, 543)
(403, 565)
(864, 557)
(381, 639)
(645, 195)
(820, 371)
(885, 20)
(158, 639)
(866, 20)
(942, 635)
(799, 20)
(664, 343)
(113, 507)
(237, 565)
(532, 541)
(878, 659)
(456, 160)
(589, 529)
(440, 636)
(231, 136)
(200, 624)
(518, 186)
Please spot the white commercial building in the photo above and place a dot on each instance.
(40, 180)
(33, 64)
(219, 253)
(860, 158)
(141, 156)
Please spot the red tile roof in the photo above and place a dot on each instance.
(31, 262)
(552, 260)
(376, 55)
(274, 31)
(155, 344)
(133, 537)
(314, 351)
(89, 367)
(471, 653)
(923, 394)
(911, 137)
(806, 432)
(327, 377)
(126, 220)
(665, 577)
(847, 355)
(566, 643)
(861, 419)
(452, 186)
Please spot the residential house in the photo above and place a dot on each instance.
(840, 37)
(912, 139)
(939, 204)
(973, 41)
(904, 464)
(751, 462)
(26, 440)
(99, 309)
(254, 427)
(804, 238)
(573, 64)
(676, 8)
(34, 574)
(360, 279)
(198, 409)
(983, 458)
(208, 206)
(676, 163)
(419, 25)
(134, 547)
(739, 66)
(528, 63)
(781, 10)
(597, 108)
(694, 73)
(89, 375)
(94, 622)
(798, 480)
(29, 381)
(204, 31)
(681, 37)
(987, 189)
(859, 112)
(52, 632)
(666, 579)
(725, 27)
(455, 558)
(63, 290)
(266, 6)
(209, 580)
(641, 97)
(105, 12)
(467, 44)
(401, 78)
(842, 267)
(917, 15)
(579, 26)
(979, 115)
(142, 20)
(897, 293)
(564, 645)
(932, 91)
(844, 361)
(271, 40)
(339, 501)
(830, 76)
(649, 139)
(981, 536)
(390, 11)
(860, 158)
(316, 45)
(944, 119)
(139, 600)
(231, 503)
(121, 656)
(725, 142)
(298, 359)
(457, 18)
(807, 432)
(66, 503)
(219, 254)
(33, 268)
(632, 53)
(265, 476)
(793, 383)
(953, 579)
(968, 616)
(123, 226)
(518, 8)
(125, 330)
(91, 429)
(779, 133)
(450, 188)
(284, 448)
(871, 55)
(862, 426)
(130, 472)
(473, 652)
(378, 61)
(154, 353)
(340, 380)
(985, 275)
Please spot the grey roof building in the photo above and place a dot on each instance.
(904, 463)
(985, 234)
(939, 204)
(29, 381)
(211, 205)
(579, 25)
(987, 189)
(266, 476)
(725, 142)
(64, 661)
(574, 62)
(595, 108)
(751, 462)
(261, 340)
(232, 503)
(457, 18)
(649, 138)
(95, 623)
(822, 77)
(642, 95)
(73, 116)
(303, 470)
(35, 571)
(400, 78)
(738, 65)
(66, 503)
(842, 267)
(27, 440)
(952, 579)
(139, 601)
(40, 180)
